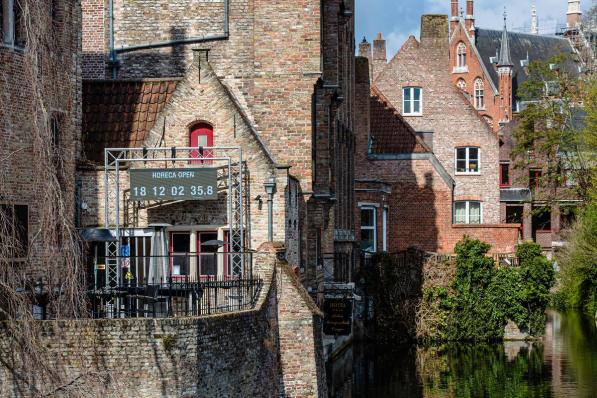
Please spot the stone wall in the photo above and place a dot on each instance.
(270, 351)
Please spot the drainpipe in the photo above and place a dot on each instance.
(113, 60)
(190, 40)
(270, 188)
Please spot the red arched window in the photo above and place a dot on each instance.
(201, 137)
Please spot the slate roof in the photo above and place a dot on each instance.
(488, 43)
(390, 133)
(120, 113)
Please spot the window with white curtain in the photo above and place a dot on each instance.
(412, 101)
(461, 84)
(467, 212)
(468, 160)
(479, 94)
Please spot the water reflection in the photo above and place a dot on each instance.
(564, 364)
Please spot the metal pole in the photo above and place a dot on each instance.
(270, 216)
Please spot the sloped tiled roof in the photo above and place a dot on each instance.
(390, 133)
(120, 113)
(537, 47)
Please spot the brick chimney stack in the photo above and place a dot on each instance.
(573, 15)
(454, 19)
(380, 58)
(469, 21)
(365, 49)
(434, 31)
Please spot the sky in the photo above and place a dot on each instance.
(398, 19)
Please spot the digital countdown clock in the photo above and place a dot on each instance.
(173, 184)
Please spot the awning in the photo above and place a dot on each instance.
(97, 235)
(515, 195)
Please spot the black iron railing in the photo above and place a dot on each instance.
(175, 297)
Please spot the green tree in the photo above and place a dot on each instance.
(556, 129)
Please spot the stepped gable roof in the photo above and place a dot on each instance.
(121, 113)
(489, 42)
(390, 133)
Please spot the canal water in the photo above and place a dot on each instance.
(563, 364)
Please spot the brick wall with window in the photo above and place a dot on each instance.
(41, 94)
(462, 141)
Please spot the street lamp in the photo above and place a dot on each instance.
(270, 188)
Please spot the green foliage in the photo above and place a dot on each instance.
(551, 132)
(578, 262)
(485, 296)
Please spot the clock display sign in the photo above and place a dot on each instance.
(173, 184)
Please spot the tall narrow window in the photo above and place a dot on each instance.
(412, 100)
(535, 177)
(20, 34)
(202, 138)
(504, 174)
(461, 55)
(479, 94)
(368, 229)
(14, 230)
(467, 212)
(468, 160)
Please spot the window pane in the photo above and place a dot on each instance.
(367, 218)
(406, 92)
(417, 107)
(461, 154)
(460, 213)
(474, 213)
(417, 92)
(473, 154)
(181, 243)
(367, 242)
(202, 140)
(461, 166)
(407, 107)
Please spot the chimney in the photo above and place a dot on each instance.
(573, 15)
(454, 19)
(469, 22)
(434, 30)
(379, 55)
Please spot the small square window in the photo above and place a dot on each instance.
(412, 100)
(468, 212)
(468, 160)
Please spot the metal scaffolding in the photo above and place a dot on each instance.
(231, 171)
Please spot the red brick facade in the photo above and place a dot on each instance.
(410, 171)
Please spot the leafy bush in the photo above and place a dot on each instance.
(485, 296)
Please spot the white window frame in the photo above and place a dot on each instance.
(412, 101)
(468, 212)
(369, 228)
(479, 93)
(468, 160)
(384, 227)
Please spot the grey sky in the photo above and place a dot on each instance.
(397, 19)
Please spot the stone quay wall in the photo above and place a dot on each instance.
(265, 352)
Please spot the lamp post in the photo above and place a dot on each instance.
(270, 188)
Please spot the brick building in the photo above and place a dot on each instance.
(39, 124)
(433, 147)
(273, 78)
(489, 66)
